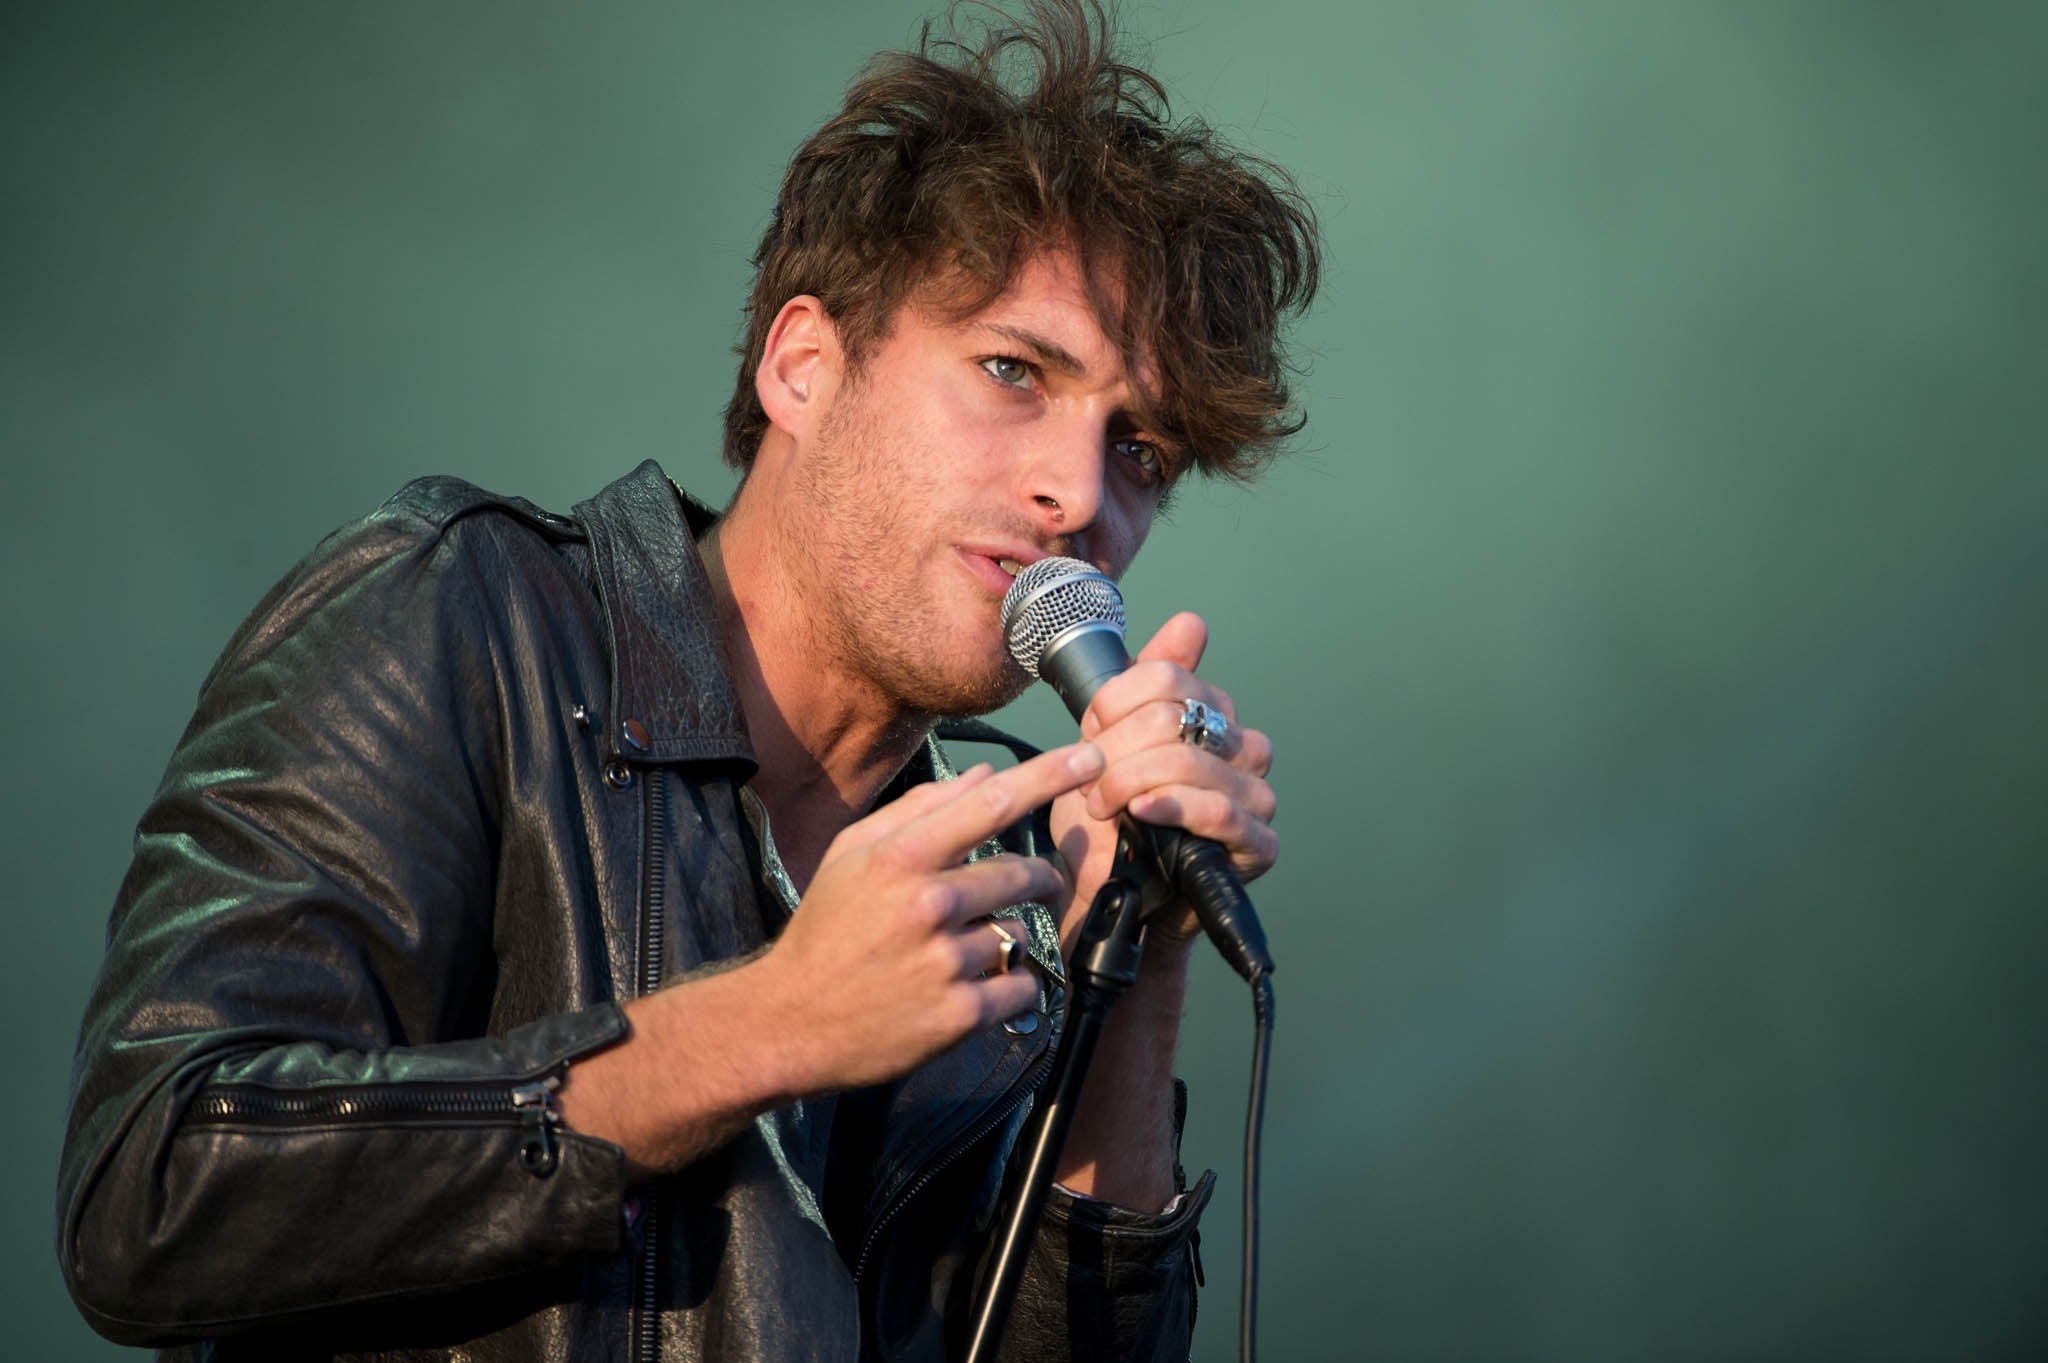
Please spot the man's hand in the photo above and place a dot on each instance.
(890, 959)
(1135, 720)
(1120, 1147)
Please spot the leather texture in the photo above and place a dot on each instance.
(468, 778)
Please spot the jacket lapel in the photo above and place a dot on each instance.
(672, 699)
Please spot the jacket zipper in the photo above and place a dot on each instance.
(646, 1315)
(530, 1104)
(1031, 1080)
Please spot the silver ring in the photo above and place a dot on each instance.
(1011, 949)
(1203, 725)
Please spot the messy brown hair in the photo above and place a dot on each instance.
(947, 167)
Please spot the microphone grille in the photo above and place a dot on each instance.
(1051, 598)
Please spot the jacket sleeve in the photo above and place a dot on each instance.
(284, 1099)
(1103, 1281)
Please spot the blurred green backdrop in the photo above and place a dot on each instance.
(1651, 623)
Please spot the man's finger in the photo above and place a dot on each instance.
(944, 835)
(1154, 679)
(1005, 994)
(981, 887)
(918, 800)
(1177, 764)
(985, 943)
(1251, 841)
(1156, 723)
(1182, 639)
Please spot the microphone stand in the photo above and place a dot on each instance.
(1112, 942)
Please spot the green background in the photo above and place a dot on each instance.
(1650, 623)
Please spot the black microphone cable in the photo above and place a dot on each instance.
(1254, 1124)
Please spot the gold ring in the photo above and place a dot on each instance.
(1009, 951)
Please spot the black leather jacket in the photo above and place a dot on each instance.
(466, 779)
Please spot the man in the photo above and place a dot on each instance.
(551, 939)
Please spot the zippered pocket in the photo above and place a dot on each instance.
(531, 1105)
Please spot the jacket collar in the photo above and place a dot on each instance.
(668, 668)
(672, 697)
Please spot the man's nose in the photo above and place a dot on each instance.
(1063, 478)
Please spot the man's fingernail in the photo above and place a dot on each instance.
(1085, 760)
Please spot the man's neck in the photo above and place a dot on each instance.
(826, 739)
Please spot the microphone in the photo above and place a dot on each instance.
(1064, 623)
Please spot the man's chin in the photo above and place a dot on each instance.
(966, 695)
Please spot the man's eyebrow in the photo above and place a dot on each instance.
(1050, 353)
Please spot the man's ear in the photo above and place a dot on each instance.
(800, 366)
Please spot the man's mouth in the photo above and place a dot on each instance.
(996, 565)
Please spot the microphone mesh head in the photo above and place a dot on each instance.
(1050, 599)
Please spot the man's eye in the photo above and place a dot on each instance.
(1145, 455)
(1008, 369)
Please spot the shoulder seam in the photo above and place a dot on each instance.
(440, 500)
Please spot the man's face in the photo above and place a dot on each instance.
(960, 449)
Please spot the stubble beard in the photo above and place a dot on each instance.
(873, 611)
